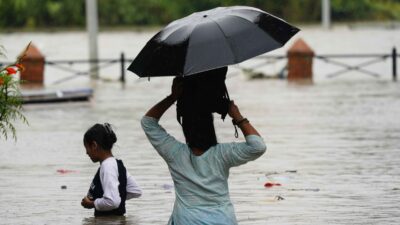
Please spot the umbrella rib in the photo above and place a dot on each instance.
(274, 17)
(252, 10)
(177, 29)
(254, 24)
(178, 26)
(242, 18)
(226, 38)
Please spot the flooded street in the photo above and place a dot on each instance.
(334, 146)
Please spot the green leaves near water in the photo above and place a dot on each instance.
(10, 98)
(10, 107)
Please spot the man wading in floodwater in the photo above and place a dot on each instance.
(200, 168)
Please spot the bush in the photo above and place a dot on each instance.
(10, 98)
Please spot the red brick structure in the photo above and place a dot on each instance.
(300, 59)
(34, 66)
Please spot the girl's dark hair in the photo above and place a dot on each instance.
(199, 131)
(102, 134)
(203, 94)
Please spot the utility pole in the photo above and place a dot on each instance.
(92, 29)
(394, 58)
(326, 14)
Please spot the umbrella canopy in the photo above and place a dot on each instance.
(211, 39)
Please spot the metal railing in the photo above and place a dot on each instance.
(333, 59)
(360, 67)
(65, 65)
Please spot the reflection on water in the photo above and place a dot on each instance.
(114, 220)
(333, 146)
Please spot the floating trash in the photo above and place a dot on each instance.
(63, 186)
(273, 200)
(291, 171)
(269, 184)
(168, 186)
(63, 171)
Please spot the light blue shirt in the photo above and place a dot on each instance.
(201, 182)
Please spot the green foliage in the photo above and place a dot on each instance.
(10, 98)
(344, 10)
(57, 13)
(41, 13)
(10, 107)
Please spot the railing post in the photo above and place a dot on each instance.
(122, 59)
(394, 59)
(34, 62)
(300, 61)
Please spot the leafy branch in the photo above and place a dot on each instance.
(10, 96)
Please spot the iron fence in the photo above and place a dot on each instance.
(65, 65)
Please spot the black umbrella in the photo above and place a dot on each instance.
(211, 39)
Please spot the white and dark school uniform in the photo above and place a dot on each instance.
(111, 187)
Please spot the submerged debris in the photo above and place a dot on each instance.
(269, 184)
(275, 172)
(271, 173)
(305, 189)
(168, 187)
(64, 171)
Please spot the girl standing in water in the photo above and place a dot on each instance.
(112, 184)
(200, 167)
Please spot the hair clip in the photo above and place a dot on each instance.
(108, 128)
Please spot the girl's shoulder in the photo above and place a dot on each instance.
(109, 164)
